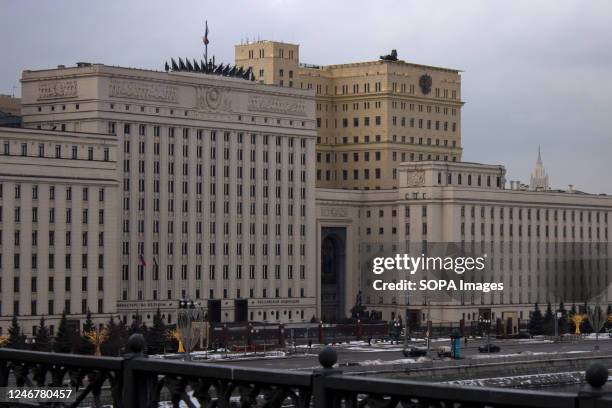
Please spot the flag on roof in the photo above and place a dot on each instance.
(205, 38)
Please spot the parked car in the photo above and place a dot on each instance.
(415, 351)
(444, 351)
(489, 348)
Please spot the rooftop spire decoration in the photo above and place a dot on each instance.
(539, 178)
(211, 68)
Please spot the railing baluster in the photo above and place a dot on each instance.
(596, 376)
(138, 382)
(138, 387)
(4, 373)
(322, 398)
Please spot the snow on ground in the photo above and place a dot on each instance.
(385, 362)
(215, 356)
(539, 381)
(527, 353)
(535, 341)
(392, 362)
(493, 355)
(523, 380)
(593, 336)
(373, 349)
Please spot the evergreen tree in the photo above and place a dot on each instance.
(123, 334)
(563, 324)
(586, 326)
(42, 340)
(144, 330)
(16, 338)
(64, 340)
(597, 318)
(85, 346)
(135, 327)
(608, 324)
(89, 324)
(113, 343)
(156, 336)
(571, 325)
(549, 320)
(536, 322)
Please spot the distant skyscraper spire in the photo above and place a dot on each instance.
(539, 156)
(539, 178)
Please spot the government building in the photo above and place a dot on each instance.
(210, 195)
(371, 116)
(264, 191)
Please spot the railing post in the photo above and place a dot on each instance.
(596, 376)
(322, 398)
(4, 373)
(137, 390)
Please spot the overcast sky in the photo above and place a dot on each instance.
(535, 73)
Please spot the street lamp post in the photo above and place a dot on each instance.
(487, 323)
(254, 331)
(247, 338)
(189, 312)
(429, 326)
(428, 340)
(321, 333)
(225, 338)
(397, 325)
(293, 342)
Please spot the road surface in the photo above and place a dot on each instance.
(353, 354)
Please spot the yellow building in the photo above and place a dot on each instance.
(371, 116)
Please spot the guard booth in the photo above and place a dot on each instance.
(456, 345)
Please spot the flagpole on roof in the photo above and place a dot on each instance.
(206, 43)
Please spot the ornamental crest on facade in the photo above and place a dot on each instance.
(213, 99)
(271, 104)
(416, 179)
(57, 89)
(143, 91)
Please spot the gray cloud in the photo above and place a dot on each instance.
(536, 73)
